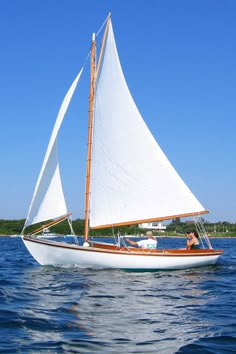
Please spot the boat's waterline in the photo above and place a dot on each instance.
(62, 254)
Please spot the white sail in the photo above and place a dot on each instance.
(48, 200)
(132, 179)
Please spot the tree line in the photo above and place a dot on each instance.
(216, 229)
(175, 227)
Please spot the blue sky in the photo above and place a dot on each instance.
(179, 61)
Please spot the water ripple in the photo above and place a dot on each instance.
(55, 310)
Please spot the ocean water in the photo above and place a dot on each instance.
(55, 310)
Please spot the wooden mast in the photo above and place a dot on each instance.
(93, 77)
(89, 148)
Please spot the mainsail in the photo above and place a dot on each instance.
(48, 200)
(131, 178)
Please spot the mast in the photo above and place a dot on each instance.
(93, 77)
(89, 148)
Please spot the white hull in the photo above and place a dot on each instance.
(62, 254)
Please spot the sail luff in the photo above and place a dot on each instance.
(94, 74)
(103, 45)
(89, 148)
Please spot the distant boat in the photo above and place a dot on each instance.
(129, 180)
(46, 233)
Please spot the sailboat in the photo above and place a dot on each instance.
(129, 180)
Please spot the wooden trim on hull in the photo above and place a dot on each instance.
(112, 249)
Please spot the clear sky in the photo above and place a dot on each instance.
(179, 59)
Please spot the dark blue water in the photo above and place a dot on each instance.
(53, 310)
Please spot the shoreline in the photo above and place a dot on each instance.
(158, 236)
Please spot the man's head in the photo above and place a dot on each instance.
(150, 235)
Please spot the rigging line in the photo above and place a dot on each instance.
(202, 231)
(86, 59)
(109, 15)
